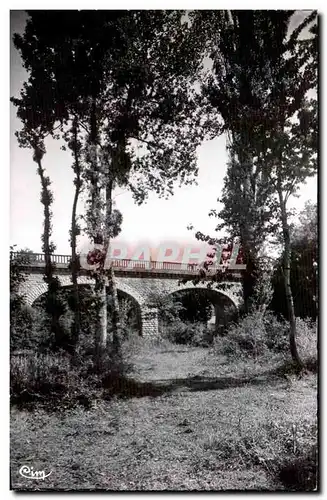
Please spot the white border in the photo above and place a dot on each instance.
(4, 185)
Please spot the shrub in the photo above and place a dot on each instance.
(244, 339)
(254, 335)
(178, 332)
(187, 333)
(276, 329)
(61, 380)
(203, 335)
(27, 328)
(307, 340)
(36, 376)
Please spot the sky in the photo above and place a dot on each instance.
(154, 222)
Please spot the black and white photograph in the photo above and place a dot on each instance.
(164, 261)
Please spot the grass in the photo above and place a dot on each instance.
(193, 420)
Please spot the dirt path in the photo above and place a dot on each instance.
(167, 364)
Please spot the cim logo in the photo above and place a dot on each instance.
(94, 255)
(30, 473)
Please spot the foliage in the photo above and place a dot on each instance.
(60, 380)
(257, 335)
(287, 451)
(129, 317)
(129, 314)
(183, 318)
(259, 86)
(263, 290)
(137, 69)
(197, 306)
(28, 137)
(307, 338)
(253, 336)
(188, 306)
(244, 47)
(169, 308)
(27, 329)
(17, 274)
(304, 271)
(189, 333)
(24, 333)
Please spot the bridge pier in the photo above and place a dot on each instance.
(150, 325)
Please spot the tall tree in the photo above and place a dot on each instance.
(74, 143)
(243, 47)
(33, 139)
(292, 141)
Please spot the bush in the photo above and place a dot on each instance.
(62, 380)
(276, 330)
(186, 333)
(307, 341)
(27, 328)
(247, 338)
(203, 336)
(255, 335)
(36, 376)
(178, 332)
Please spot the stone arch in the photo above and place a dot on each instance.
(35, 288)
(232, 291)
(33, 291)
(130, 290)
(224, 306)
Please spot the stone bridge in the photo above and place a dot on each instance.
(140, 281)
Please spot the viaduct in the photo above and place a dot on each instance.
(139, 281)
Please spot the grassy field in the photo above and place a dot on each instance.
(195, 421)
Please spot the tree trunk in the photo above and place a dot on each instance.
(115, 317)
(76, 323)
(287, 279)
(247, 230)
(248, 276)
(112, 289)
(74, 232)
(101, 323)
(53, 306)
(46, 201)
(98, 238)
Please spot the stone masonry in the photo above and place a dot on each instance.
(140, 289)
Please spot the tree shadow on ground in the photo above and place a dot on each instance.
(131, 388)
(173, 351)
(127, 388)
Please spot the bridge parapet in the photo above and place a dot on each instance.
(36, 262)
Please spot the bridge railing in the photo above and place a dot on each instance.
(30, 259)
(153, 265)
(39, 258)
